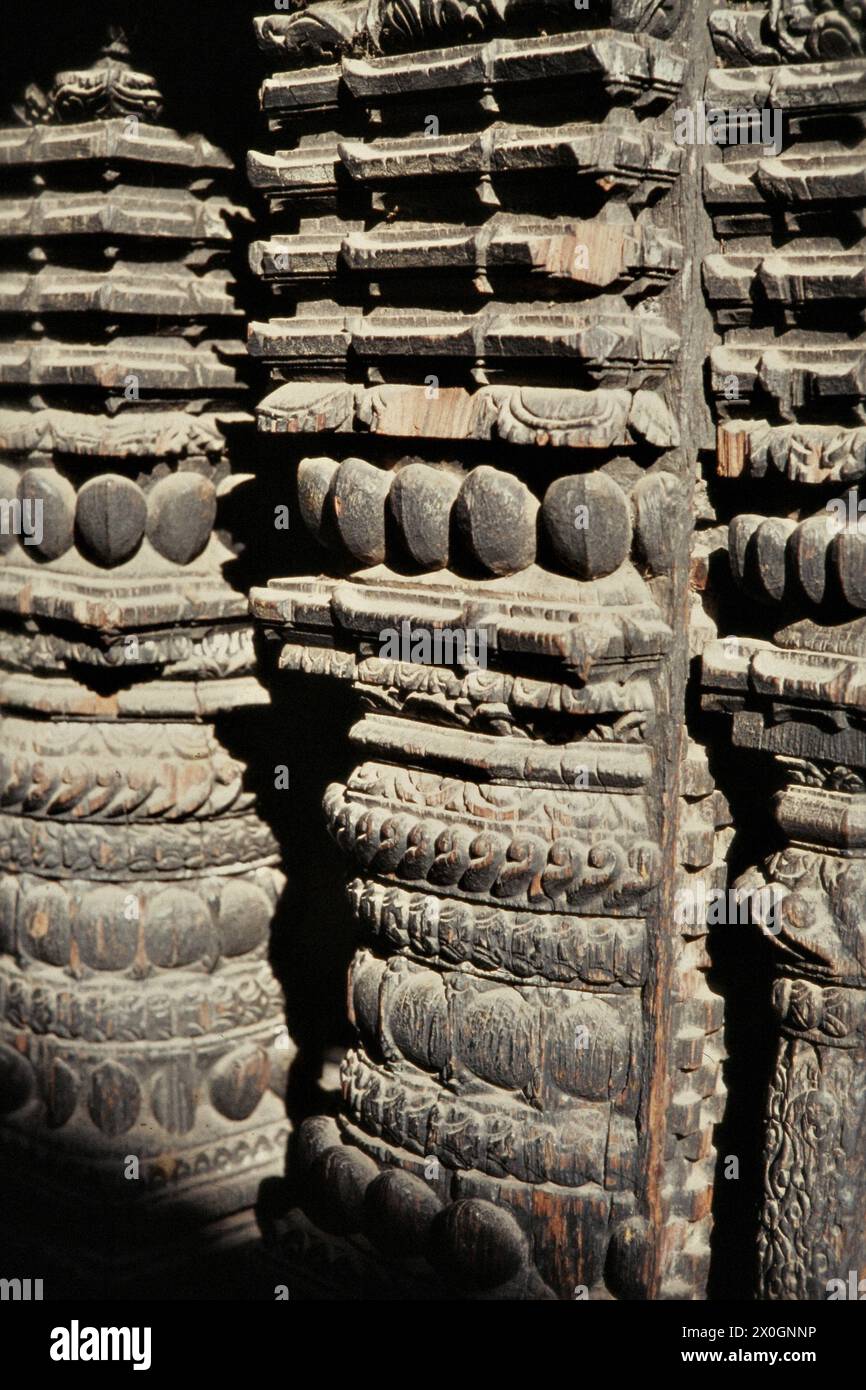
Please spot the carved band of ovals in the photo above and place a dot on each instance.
(138, 928)
(826, 1016)
(587, 1143)
(595, 872)
(470, 1227)
(47, 1002)
(63, 850)
(109, 515)
(566, 950)
(125, 1087)
(401, 1204)
(551, 1045)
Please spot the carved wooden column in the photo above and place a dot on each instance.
(140, 1085)
(482, 365)
(788, 379)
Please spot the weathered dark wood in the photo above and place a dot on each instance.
(141, 1066)
(571, 411)
(528, 1108)
(787, 376)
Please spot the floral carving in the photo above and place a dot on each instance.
(819, 29)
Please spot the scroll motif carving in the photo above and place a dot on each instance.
(523, 807)
(138, 880)
(787, 295)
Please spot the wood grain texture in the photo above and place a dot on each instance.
(138, 879)
(529, 1105)
(786, 375)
